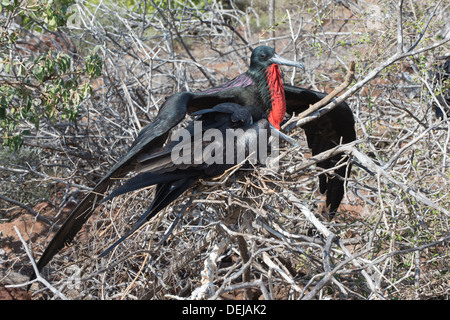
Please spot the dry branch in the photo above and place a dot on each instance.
(39, 278)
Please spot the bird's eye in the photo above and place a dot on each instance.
(263, 55)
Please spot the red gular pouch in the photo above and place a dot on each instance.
(276, 88)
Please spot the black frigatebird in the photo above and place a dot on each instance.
(260, 86)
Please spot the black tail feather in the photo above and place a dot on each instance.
(147, 179)
(164, 195)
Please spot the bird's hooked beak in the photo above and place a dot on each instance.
(280, 60)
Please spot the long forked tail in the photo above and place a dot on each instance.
(165, 193)
(73, 223)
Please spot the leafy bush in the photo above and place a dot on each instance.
(49, 85)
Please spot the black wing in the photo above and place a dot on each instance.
(153, 136)
(172, 179)
(331, 129)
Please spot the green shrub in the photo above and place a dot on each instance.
(35, 87)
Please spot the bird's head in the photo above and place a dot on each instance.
(264, 69)
(263, 57)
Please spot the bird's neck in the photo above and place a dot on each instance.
(271, 90)
(277, 97)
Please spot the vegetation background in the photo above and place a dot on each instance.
(79, 79)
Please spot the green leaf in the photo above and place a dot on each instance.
(38, 72)
(86, 90)
(52, 22)
(3, 102)
(64, 63)
(20, 70)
